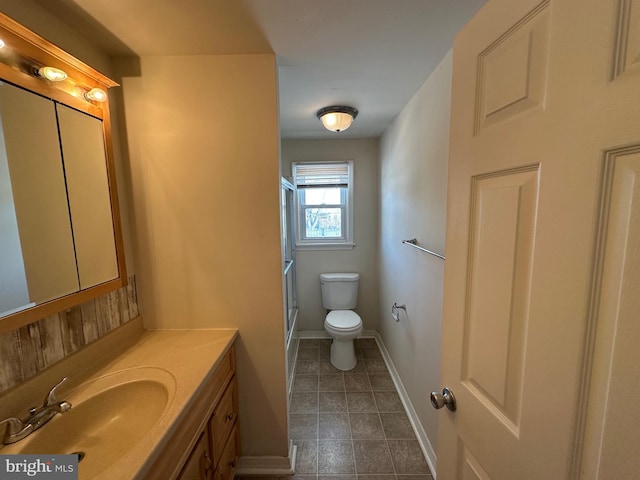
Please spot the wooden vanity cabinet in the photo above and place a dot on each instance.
(206, 447)
(214, 455)
(199, 465)
(223, 420)
(228, 458)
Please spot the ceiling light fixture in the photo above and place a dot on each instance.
(337, 118)
(96, 95)
(52, 74)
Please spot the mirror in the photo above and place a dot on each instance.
(41, 242)
(60, 238)
(88, 191)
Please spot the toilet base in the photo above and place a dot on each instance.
(343, 354)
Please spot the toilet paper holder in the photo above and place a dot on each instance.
(394, 311)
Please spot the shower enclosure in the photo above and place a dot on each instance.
(287, 217)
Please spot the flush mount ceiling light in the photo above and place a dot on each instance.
(52, 74)
(337, 118)
(96, 94)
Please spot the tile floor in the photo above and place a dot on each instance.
(351, 425)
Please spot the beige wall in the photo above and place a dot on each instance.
(203, 146)
(360, 259)
(413, 179)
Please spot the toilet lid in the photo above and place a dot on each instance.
(343, 319)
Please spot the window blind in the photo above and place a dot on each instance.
(317, 175)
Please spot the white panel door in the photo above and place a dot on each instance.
(543, 244)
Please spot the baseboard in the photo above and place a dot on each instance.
(423, 440)
(268, 466)
(313, 334)
(323, 334)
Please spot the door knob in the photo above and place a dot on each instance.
(446, 398)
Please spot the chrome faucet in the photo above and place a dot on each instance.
(18, 429)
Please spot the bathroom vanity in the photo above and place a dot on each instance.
(145, 405)
(215, 452)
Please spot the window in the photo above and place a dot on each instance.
(324, 203)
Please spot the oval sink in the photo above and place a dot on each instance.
(109, 415)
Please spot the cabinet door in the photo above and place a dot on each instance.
(223, 419)
(199, 466)
(37, 259)
(227, 461)
(85, 163)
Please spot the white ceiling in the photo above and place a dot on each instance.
(369, 54)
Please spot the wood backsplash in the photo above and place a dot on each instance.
(32, 348)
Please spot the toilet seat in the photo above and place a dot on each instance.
(343, 320)
(344, 326)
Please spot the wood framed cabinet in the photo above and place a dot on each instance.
(223, 432)
(206, 445)
(199, 465)
(214, 455)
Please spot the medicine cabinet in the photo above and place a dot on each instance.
(60, 237)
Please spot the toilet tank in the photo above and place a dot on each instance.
(339, 290)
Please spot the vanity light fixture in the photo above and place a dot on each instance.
(337, 118)
(52, 74)
(96, 95)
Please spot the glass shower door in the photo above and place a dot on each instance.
(289, 255)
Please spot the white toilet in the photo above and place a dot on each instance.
(340, 295)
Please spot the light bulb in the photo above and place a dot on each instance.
(330, 119)
(96, 95)
(52, 74)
